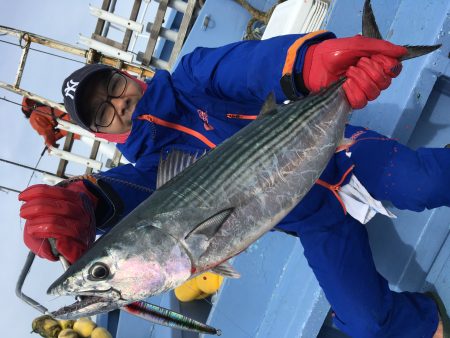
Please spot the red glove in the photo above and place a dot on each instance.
(65, 214)
(369, 65)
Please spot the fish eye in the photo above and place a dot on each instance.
(98, 271)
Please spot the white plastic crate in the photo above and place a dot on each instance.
(296, 16)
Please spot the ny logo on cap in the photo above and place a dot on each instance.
(71, 86)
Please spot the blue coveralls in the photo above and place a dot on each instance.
(215, 92)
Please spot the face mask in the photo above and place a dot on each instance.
(116, 138)
(141, 84)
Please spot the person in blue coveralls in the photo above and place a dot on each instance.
(212, 94)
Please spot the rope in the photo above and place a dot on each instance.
(6, 189)
(35, 167)
(28, 184)
(257, 17)
(20, 105)
(41, 51)
(111, 179)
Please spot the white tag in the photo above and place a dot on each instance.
(359, 203)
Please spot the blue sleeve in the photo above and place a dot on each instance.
(410, 179)
(123, 188)
(245, 71)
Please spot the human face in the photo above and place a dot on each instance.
(114, 103)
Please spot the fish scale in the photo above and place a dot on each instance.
(237, 158)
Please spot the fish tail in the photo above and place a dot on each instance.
(370, 30)
(415, 51)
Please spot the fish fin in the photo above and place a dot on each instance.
(174, 163)
(226, 270)
(344, 144)
(369, 24)
(415, 51)
(269, 105)
(210, 226)
(345, 141)
(370, 30)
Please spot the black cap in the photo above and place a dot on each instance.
(72, 90)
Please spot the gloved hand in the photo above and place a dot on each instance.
(65, 214)
(369, 65)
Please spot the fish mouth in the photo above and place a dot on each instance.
(110, 293)
(90, 303)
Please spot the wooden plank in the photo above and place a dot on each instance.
(183, 31)
(101, 23)
(140, 71)
(107, 41)
(93, 155)
(68, 143)
(154, 33)
(133, 17)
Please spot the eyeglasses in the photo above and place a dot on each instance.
(105, 113)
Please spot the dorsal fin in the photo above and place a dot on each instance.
(226, 269)
(174, 163)
(210, 226)
(369, 24)
(269, 106)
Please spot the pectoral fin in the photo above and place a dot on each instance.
(344, 144)
(210, 226)
(226, 269)
(269, 106)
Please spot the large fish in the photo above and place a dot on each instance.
(216, 207)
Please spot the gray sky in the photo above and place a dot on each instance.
(61, 20)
